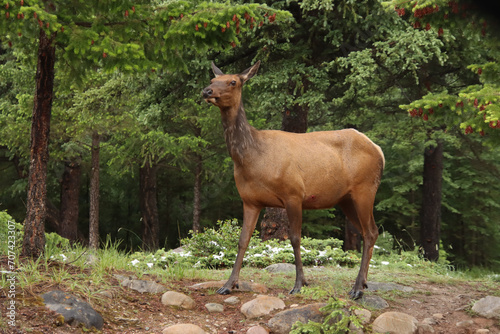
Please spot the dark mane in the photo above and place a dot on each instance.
(238, 135)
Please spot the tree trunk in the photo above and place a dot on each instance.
(150, 226)
(274, 224)
(430, 227)
(70, 192)
(94, 193)
(352, 237)
(197, 194)
(34, 229)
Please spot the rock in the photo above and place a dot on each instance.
(376, 286)
(177, 299)
(438, 316)
(482, 331)
(375, 302)
(488, 307)
(395, 322)
(257, 330)
(74, 310)
(262, 305)
(363, 315)
(465, 323)
(214, 308)
(242, 286)
(280, 268)
(425, 329)
(144, 286)
(429, 321)
(232, 300)
(282, 322)
(183, 329)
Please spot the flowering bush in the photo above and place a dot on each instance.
(217, 248)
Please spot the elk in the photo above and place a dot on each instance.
(315, 170)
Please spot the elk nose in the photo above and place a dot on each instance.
(207, 92)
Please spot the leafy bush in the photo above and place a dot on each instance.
(217, 248)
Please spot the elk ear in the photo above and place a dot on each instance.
(250, 72)
(216, 70)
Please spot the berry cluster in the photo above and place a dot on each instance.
(421, 12)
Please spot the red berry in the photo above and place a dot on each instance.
(204, 24)
(196, 28)
(227, 24)
(47, 25)
(426, 117)
(440, 105)
(233, 44)
(480, 71)
(35, 15)
(133, 9)
(126, 13)
(427, 26)
(22, 2)
(10, 44)
(440, 32)
(7, 5)
(7, 14)
(62, 29)
(104, 54)
(234, 17)
(92, 42)
(223, 29)
(431, 111)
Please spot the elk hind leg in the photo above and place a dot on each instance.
(360, 213)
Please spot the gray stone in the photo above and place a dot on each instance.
(262, 305)
(280, 268)
(183, 329)
(177, 299)
(425, 329)
(465, 323)
(242, 286)
(376, 286)
(395, 322)
(257, 330)
(214, 307)
(283, 321)
(74, 310)
(233, 300)
(144, 286)
(488, 307)
(374, 302)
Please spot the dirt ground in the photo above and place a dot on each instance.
(128, 311)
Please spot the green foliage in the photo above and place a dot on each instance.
(218, 247)
(338, 320)
(11, 234)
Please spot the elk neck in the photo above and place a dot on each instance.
(239, 134)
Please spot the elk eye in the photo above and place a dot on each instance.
(233, 83)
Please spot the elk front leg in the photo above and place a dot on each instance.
(294, 212)
(250, 216)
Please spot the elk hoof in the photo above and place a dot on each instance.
(224, 291)
(355, 294)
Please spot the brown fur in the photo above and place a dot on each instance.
(316, 170)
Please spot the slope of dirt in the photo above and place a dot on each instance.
(128, 311)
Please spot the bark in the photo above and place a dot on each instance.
(274, 224)
(150, 225)
(34, 236)
(352, 237)
(70, 192)
(94, 193)
(197, 194)
(430, 227)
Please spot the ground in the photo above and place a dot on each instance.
(128, 311)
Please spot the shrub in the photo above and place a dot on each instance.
(218, 247)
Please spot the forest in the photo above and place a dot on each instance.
(104, 132)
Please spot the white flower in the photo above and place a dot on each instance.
(218, 257)
(63, 257)
(214, 243)
(150, 265)
(409, 265)
(384, 263)
(134, 262)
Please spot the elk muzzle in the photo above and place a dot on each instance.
(207, 95)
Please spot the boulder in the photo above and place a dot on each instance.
(488, 307)
(214, 308)
(280, 268)
(74, 310)
(183, 329)
(395, 322)
(177, 299)
(262, 305)
(242, 286)
(283, 321)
